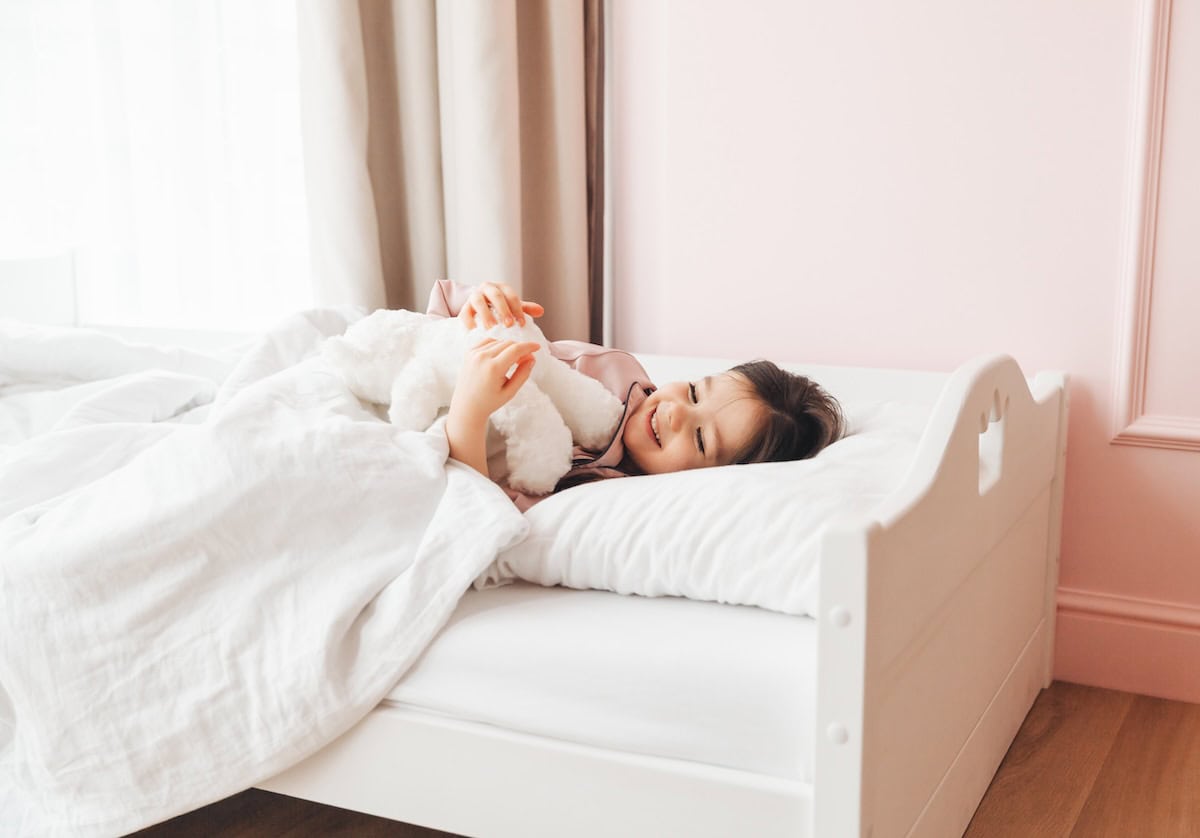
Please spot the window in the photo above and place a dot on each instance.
(155, 148)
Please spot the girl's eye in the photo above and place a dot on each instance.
(700, 440)
(692, 392)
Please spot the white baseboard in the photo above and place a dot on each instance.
(1131, 644)
(1149, 611)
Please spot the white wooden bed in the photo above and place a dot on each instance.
(920, 688)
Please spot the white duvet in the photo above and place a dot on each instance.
(209, 568)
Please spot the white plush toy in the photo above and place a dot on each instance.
(410, 362)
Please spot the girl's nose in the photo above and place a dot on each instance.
(677, 416)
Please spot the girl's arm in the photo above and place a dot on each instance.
(483, 388)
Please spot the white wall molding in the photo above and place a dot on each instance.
(1131, 425)
(1110, 606)
(1155, 431)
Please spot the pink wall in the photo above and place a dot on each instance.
(910, 185)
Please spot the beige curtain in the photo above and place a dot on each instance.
(450, 138)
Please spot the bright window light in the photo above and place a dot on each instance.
(158, 144)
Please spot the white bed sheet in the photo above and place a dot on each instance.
(608, 670)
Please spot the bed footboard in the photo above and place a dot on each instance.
(936, 625)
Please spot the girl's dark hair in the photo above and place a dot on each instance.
(799, 418)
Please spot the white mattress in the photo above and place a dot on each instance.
(719, 684)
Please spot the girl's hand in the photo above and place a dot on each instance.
(483, 386)
(493, 303)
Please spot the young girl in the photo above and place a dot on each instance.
(754, 412)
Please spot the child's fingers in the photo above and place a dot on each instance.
(493, 304)
(487, 317)
(482, 313)
(499, 303)
(512, 305)
(520, 374)
(491, 348)
(498, 345)
(512, 352)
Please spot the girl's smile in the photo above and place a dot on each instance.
(692, 424)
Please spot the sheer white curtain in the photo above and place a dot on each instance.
(157, 143)
(219, 163)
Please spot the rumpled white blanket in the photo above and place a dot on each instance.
(208, 570)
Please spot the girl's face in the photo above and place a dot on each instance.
(692, 424)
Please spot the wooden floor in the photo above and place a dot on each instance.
(1092, 763)
(1087, 763)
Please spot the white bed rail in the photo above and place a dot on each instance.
(475, 779)
(936, 616)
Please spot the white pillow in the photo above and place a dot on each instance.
(747, 534)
